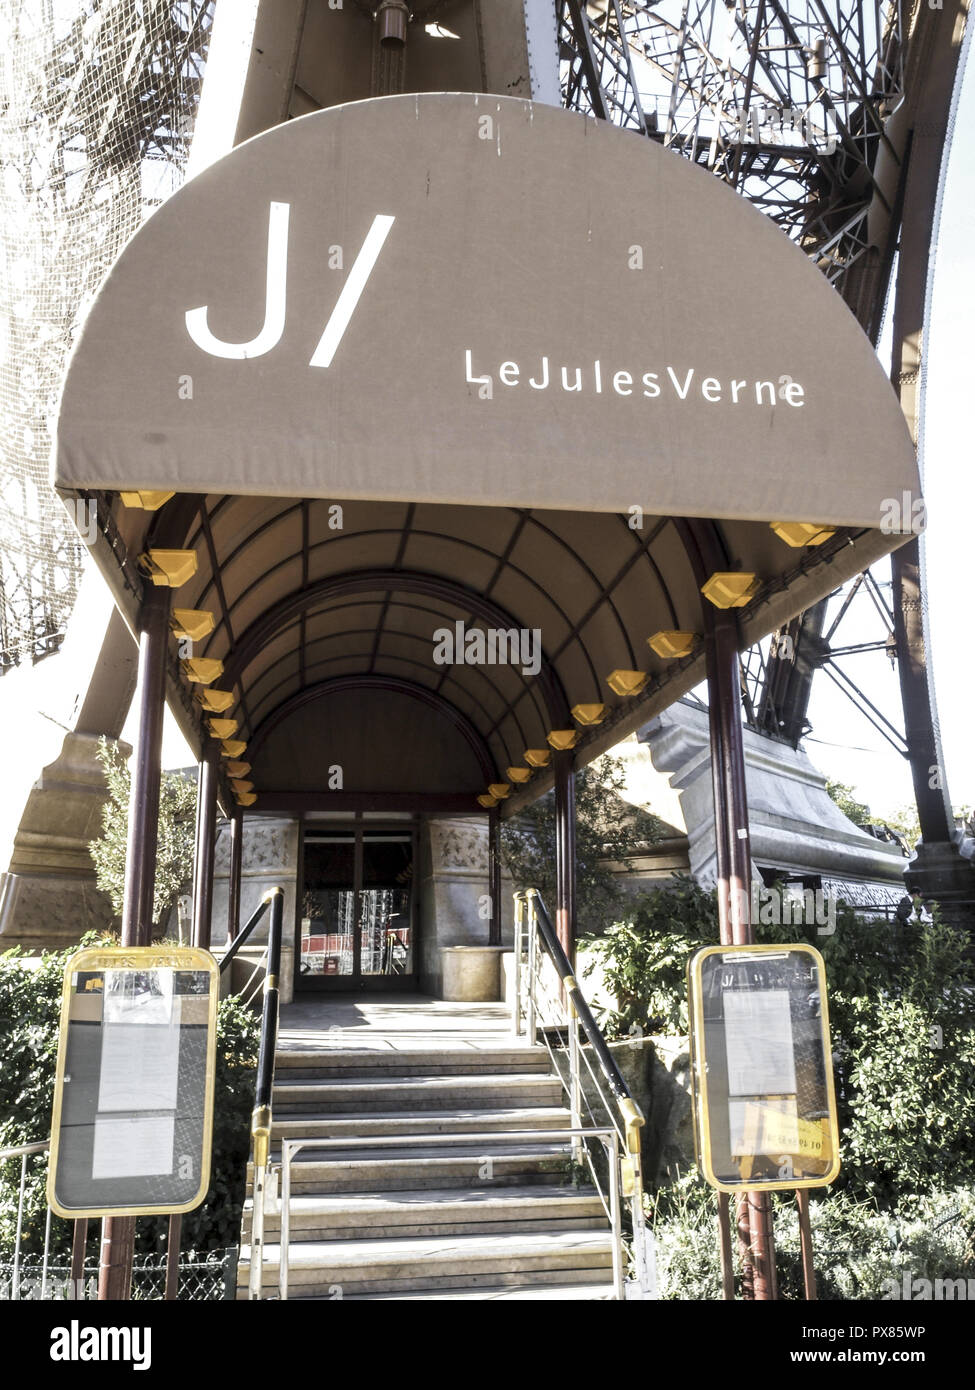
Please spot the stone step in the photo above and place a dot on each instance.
(349, 1267)
(366, 1125)
(301, 1062)
(433, 1211)
(489, 1091)
(561, 1293)
(423, 1167)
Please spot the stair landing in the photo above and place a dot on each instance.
(391, 1023)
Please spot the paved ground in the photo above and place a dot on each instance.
(392, 1023)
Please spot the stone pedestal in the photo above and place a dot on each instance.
(946, 871)
(471, 974)
(795, 828)
(48, 899)
(455, 903)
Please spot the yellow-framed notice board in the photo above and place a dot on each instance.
(764, 1102)
(133, 1102)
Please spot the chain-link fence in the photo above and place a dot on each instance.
(206, 1277)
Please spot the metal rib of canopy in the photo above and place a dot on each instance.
(310, 602)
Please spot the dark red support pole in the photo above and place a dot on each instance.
(805, 1238)
(565, 852)
(494, 876)
(233, 883)
(172, 1257)
(734, 888)
(79, 1240)
(206, 832)
(118, 1232)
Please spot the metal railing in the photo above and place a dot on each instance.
(24, 1152)
(169, 1274)
(261, 1119)
(244, 935)
(606, 1136)
(552, 1010)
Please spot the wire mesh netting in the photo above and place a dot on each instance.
(97, 102)
(201, 1278)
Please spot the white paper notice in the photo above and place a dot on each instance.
(767, 1127)
(138, 996)
(133, 1147)
(758, 1040)
(140, 1065)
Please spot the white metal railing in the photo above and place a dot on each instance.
(606, 1136)
(549, 1008)
(604, 1119)
(24, 1152)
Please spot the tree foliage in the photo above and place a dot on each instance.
(845, 798)
(608, 828)
(174, 853)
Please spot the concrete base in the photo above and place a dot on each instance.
(946, 872)
(454, 894)
(246, 972)
(795, 828)
(49, 898)
(471, 974)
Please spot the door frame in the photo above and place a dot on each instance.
(356, 825)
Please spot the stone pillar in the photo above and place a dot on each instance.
(453, 882)
(269, 859)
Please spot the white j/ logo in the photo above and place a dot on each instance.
(275, 300)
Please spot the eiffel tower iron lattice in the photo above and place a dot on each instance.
(826, 115)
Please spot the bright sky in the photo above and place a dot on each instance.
(843, 744)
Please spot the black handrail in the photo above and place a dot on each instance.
(261, 1124)
(261, 1118)
(590, 1027)
(245, 932)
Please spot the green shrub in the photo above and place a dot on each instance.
(30, 1010)
(902, 1020)
(644, 957)
(902, 1023)
(685, 1228)
(607, 828)
(858, 1247)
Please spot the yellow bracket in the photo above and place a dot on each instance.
(633, 1116)
(261, 1134)
(627, 1177)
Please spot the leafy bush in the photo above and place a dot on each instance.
(845, 798)
(685, 1225)
(174, 849)
(902, 1020)
(30, 1010)
(644, 957)
(859, 1248)
(607, 828)
(902, 1016)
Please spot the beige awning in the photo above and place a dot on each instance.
(515, 347)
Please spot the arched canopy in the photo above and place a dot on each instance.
(446, 365)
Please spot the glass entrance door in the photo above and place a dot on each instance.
(357, 908)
